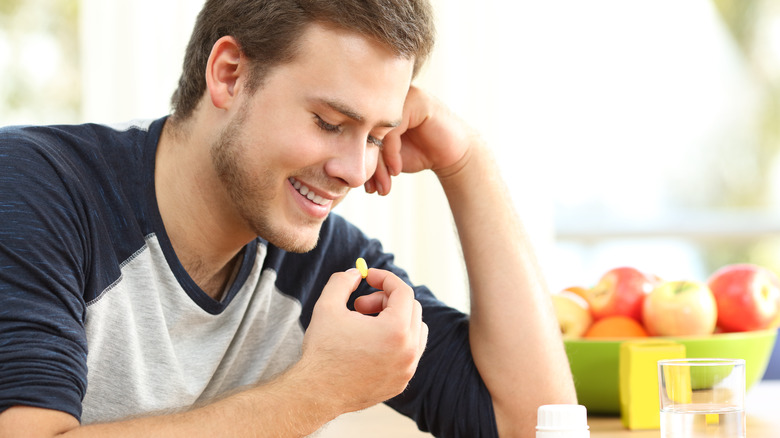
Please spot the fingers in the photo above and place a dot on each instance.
(391, 151)
(399, 294)
(377, 355)
(390, 162)
(372, 303)
(394, 301)
(419, 327)
(422, 329)
(430, 136)
(388, 284)
(393, 293)
(380, 182)
(399, 303)
(339, 288)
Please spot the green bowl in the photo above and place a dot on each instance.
(594, 362)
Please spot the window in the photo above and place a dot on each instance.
(669, 156)
(39, 61)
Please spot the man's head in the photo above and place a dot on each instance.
(268, 32)
(290, 130)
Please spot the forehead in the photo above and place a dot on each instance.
(319, 36)
(344, 66)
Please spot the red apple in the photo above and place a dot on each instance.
(680, 308)
(748, 297)
(572, 313)
(621, 291)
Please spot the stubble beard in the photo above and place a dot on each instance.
(252, 191)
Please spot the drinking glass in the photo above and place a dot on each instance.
(702, 398)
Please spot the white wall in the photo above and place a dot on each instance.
(131, 52)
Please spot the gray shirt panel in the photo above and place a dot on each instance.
(152, 348)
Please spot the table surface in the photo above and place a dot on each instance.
(761, 404)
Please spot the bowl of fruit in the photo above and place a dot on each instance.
(734, 314)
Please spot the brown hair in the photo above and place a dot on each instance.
(268, 31)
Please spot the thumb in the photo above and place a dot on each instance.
(339, 288)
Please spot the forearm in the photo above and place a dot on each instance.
(290, 406)
(514, 338)
(283, 408)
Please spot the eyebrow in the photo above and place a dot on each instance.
(354, 115)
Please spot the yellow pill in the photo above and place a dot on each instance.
(361, 265)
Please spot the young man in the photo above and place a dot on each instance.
(184, 276)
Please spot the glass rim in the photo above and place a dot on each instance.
(701, 361)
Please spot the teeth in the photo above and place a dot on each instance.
(305, 191)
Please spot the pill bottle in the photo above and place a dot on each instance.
(562, 421)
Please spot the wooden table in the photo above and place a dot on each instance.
(763, 420)
(763, 416)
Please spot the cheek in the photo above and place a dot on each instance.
(291, 151)
(285, 136)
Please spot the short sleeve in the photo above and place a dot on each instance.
(42, 258)
(447, 396)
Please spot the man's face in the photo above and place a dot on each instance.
(309, 134)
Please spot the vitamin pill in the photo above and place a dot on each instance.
(361, 266)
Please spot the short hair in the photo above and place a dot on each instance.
(268, 32)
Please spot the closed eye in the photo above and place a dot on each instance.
(375, 141)
(325, 126)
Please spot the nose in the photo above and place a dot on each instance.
(353, 162)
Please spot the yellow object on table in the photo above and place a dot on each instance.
(638, 378)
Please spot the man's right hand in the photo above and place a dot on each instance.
(365, 359)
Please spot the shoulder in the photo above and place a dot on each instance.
(66, 147)
(73, 196)
(38, 166)
(54, 137)
(77, 159)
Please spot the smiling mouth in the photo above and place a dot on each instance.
(308, 193)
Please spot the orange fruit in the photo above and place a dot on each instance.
(579, 290)
(616, 326)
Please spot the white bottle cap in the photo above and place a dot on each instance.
(562, 421)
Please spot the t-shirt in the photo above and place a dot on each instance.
(99, 319)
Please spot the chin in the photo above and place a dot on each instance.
(297, 247)
(292, 241)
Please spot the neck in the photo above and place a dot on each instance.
(194, 210)
(216, 284)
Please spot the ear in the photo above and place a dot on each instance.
(223, 70)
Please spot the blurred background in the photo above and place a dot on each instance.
(630, 132)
